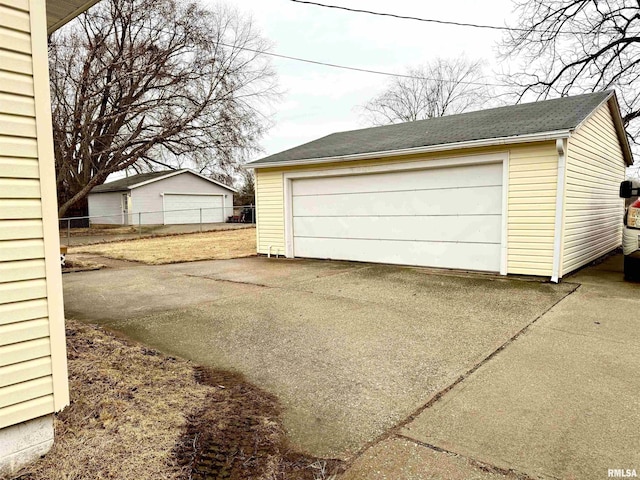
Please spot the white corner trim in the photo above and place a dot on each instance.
(504, 244)
(500, 157)
(490, 142)
(46, 165)
(561, 147)
(288, 216)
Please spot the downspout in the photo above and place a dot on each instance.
(561, 148)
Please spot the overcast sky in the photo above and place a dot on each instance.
(320, 100)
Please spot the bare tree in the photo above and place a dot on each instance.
(247, 193)
(141, 82)
(441, 87)
(577, 46)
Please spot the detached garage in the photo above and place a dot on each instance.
(527, 189)
(161, 198)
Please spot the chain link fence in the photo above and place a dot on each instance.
(148, 223)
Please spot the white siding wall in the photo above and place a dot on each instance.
(108, 204)
(593, 209)
(32, 351)
(148, 198)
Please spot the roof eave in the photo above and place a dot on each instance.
(534, 137)
(620, 130)
(117, 190)
(178, 172)
(75, 10)
(612, 101)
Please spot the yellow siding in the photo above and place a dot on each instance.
(593, 210)
(27, 362)
(532, 175)
(270, 212)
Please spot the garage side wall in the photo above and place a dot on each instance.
(108, 204)
(531, 203)
(593, 209)
(33, 372)
(148, 198)
(533, 174)
(269, 188)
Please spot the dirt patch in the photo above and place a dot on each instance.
(137, 414)
(129, 406)
(78, 264)
(214, 245)
(237, 435)
(89, 261)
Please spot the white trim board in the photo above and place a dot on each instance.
(561, 148)
(490, 142)
(173, 174)
(500, 157)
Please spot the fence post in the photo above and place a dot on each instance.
(139, 224)
(200, 219)
(68, 232)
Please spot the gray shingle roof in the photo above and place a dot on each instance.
(564, 113)
(124, 184)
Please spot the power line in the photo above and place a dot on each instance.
(407, 17)
(429, 20)
(357, 69)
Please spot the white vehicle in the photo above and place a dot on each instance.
(631, 231)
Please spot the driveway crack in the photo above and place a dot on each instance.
(395, 430)
(485, 467)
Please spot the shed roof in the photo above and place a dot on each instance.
(135, 181)
(556, 116)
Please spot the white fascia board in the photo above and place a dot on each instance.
(490, 142)
(213, 181)
(618, 123)
(178, 172)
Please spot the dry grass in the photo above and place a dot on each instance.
(73, 263)
(179, 248)
(137, 414)
(103, 230)
(129, 407)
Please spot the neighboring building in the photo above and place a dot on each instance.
(527, 189)
(33, 364)
(161, 198)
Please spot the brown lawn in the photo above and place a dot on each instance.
(137, 414)
(179, 248)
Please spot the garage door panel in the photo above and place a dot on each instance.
(473, 200)
(469, 256)
(468, 228)
(453, 177)
(182, 209)
(444, 217)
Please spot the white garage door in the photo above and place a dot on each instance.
(445, 217)
(180, 208)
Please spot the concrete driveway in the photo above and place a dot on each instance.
(562, 401)
(350, 349)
